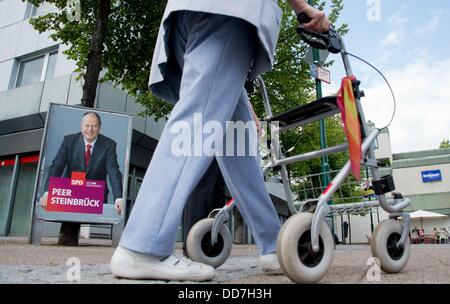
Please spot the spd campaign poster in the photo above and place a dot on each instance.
(83, 166)
(75, 194)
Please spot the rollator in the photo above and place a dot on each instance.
(305, 244)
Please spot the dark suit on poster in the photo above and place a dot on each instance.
(103, 162)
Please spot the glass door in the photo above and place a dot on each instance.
(6, 176)
(23, 199)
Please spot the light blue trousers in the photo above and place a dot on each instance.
(215, 53)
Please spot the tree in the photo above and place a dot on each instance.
(445, 144)
(104, 31)
(128, 42)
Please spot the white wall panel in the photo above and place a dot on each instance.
(20, 101)
(16, 12)
(6, 68)
(3, 11)
(28, 40)
(9, 40)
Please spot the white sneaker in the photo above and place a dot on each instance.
(129, 264)
(270, 264)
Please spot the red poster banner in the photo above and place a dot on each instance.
(75, 194)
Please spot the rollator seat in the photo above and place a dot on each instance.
(320, 108)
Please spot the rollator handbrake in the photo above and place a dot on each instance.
(329, 40)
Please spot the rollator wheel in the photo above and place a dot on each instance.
(383, 246)
(297, 259)
(199, 247)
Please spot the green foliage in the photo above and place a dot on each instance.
(445, 144)
(129, 44)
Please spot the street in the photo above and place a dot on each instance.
(48, 263)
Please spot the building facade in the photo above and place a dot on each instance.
(421, 176)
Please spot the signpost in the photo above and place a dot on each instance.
(325, 167)
(323, 55)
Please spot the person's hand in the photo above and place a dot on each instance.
(118, 205)
(43, 199)
(256, 120)
(319, 22)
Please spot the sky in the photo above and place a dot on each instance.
(409, 41)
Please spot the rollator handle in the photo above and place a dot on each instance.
(303, 18)
(329, 40)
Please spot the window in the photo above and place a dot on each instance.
(30, 71)
(23, 199)
(36, 69)
(6, 172)
(384, 163)
(16, 193)
(51, 65)
(33, 11)
(30, 11)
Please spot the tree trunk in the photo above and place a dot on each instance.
(69, 233)
(94, 58)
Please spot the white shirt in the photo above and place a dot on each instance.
(87, 143)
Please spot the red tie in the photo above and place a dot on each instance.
(87, 155)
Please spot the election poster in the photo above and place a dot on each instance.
(83, 166)
(75, 195)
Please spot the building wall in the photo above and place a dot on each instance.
(36, 98)
(409, 180)
(384, 150)
(360, 226)
(435, 202)
(18, 39)
(406, 170)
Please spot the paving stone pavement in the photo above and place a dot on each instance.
(234, 269)
(47, 263)
(23, 263)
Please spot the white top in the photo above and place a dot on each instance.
(92, 144)
(265, 15)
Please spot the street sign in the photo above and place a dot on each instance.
(319, 73)
(313, 71)
(323, 75)
(323, 55)
(431, 176)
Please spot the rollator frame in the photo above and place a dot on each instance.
(320, 206)
(305, 245)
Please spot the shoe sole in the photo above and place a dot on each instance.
(151, 274)
(272, 271)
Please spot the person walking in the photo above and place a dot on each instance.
(201, 60)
